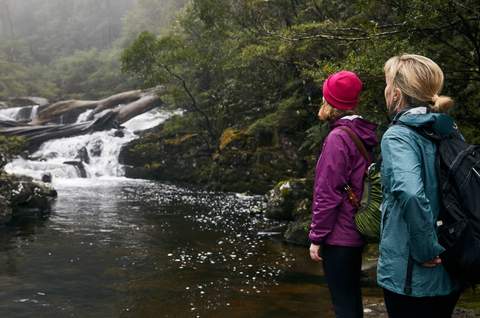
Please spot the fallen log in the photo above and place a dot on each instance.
(56, 110)
(35, 134)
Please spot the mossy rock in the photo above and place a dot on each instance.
(303, 209)
(19, 193)
(297, 232)
(231, 138)
(250, 159)
(180, 139)
(283, 199)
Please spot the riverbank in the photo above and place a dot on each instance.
(269, 156)
(22, 195)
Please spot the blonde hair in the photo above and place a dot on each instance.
(330, 113)
(419, 79)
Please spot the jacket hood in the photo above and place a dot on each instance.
(367, 131)
(440, 123)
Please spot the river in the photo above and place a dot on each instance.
(115, 247)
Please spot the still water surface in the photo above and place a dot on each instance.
(125, 248)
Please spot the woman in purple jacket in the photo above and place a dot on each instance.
(333, 235)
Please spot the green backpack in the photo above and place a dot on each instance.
(369, 215)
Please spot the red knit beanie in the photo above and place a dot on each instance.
(341, 90)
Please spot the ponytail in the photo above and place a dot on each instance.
(442, 104)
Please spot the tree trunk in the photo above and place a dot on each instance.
(54, 111)
(121, 108)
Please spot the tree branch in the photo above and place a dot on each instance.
(194, 103)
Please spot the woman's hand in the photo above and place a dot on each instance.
(315, 253)
(433, 263)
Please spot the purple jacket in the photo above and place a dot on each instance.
(340, 163)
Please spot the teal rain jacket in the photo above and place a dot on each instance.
(411, 206)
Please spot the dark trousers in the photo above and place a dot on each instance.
(400, 306)
(342, 266)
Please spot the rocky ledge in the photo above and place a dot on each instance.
(20, 194)
(289, 201)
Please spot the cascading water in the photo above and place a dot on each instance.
(19, 113)
(89, 156)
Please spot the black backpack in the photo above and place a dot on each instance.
(458, 165)
(458, 224)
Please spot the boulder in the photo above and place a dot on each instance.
(297, 232)
(96, 149)
(82, 155)
(119, 133)
(180, 158)
(47, 177)
(283, 200)
(19, 194)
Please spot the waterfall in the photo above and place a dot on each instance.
(25, 113)
(88, 156)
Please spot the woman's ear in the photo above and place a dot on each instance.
(397, 94)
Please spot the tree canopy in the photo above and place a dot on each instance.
(233, 62)
(71, 48)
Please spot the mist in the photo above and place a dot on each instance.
(71, 48)
(53, 28)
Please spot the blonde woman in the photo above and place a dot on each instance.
(409, 269)
(333, 235)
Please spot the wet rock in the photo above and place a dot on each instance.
(82, 172)
(19, 194)
(82, 155)
(297, 232)
(290, 201)
(283, 200)
(96, 149)
(249, 159)
(47, 177)
(178, 158)
(3, 160)
(24, 114)
(119, 133)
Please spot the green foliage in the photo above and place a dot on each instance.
(11, 146)
(242, 60)
(315, 136)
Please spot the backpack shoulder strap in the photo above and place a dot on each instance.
(357, 142)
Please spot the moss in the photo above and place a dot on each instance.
(179, 140)
(251, 159)
(153, 165)
(228, 136)
(297, 232)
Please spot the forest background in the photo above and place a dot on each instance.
(248, 73)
